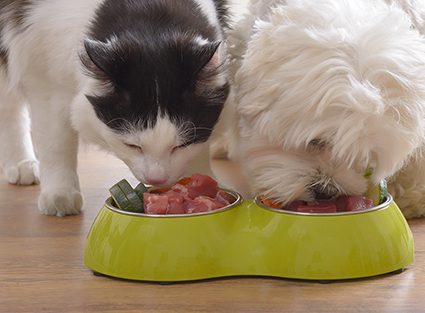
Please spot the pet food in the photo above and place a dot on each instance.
(125, 197)
(195, 194)
(340, 204)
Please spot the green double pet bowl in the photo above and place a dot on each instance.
(246, 238)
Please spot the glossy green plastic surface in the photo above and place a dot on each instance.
(248, 239)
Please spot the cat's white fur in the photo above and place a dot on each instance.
(350, 73)
(44, 75)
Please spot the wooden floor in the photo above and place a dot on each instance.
(41, 268)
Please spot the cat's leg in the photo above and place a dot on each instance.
(17, 158)
(56, 144)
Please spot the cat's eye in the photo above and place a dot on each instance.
(135, 147)
(174, 149)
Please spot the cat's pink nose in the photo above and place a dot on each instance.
(155, 182)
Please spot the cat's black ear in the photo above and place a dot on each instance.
(210, 55)
(98, 57)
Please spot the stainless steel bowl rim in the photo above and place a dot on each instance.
(239, 200)
(381, 206)
(238, 197)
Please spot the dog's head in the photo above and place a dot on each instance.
(327, 92)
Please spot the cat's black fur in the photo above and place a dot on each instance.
(3, 56)
(223, 12)
(154, 65)
(17, 10)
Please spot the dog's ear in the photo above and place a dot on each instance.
(382, 122)
(385, 122)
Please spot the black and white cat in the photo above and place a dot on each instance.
(144, 79)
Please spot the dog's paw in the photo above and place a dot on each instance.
(25, 172)
(60, 202)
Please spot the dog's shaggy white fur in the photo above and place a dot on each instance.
(325, 91)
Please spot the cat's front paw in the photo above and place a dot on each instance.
(60, 202)
(25, 172)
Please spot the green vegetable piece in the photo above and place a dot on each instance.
(140, 189)
(126, 197)
(125, 186)
(368, 172)
(378, 193)
(136, 202)
(119, 198)
(383, 190)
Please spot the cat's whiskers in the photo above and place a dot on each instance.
(126, 126)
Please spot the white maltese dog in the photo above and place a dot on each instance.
(326, 91)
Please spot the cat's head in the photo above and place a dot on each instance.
(153, 104)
